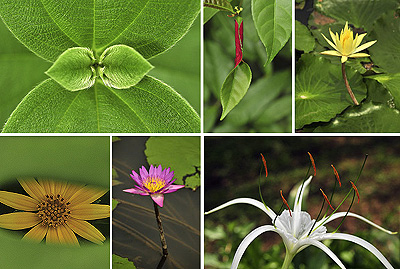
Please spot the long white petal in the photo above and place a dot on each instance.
(246, 242)
(350, 214)
(249, 201)
(324, 249)
(299, 195)
(362, 243)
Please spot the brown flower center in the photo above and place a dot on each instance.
(53, 210)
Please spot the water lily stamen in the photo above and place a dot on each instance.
(284, 200)
(336, 174)
(355, 188)
(326, 198)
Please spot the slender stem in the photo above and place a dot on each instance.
(160, 228)
(346, 82)
(288, 260)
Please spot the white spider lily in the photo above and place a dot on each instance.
(294, 230)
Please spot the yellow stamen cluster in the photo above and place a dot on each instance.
(153, 184)
(53, 210)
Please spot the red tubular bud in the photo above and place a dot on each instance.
(238, 42)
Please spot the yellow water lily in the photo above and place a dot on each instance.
(55, 210)
(346, 45)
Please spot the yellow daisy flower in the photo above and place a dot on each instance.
(55, 210)
(346, 45)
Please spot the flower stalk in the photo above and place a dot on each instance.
(161, 230)
(346, 82)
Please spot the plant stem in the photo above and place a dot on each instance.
(288, 260)
(346, 82)
(160, 228)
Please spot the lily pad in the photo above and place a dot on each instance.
(320, 91)
(304, 39)
(121, 263)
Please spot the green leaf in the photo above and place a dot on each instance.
(304, 39)
(366, 118)
(273, 21)
(121, 263)
(114, 204)
(51, 27)
(219, 4)
(235, 87)
(208, 13)
(320, 91)
(385, 53)
(182, 154)
(149, 106)
(123, 67)
(392, 83)
(73, 69)
(360, 13)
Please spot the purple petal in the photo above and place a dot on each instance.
(158, 199)
(173, 188)
(136, 178)
(151, 171)
(136, 191)
(159, 170)
(143, 173)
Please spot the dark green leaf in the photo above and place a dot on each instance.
(320, 90)
(182, 154)
(235, 87)
(366, 118)
(209, 13)
(219, 4)
(121, 263)
(273, 21)
(149, 106)
(392, 83)
(304, 39)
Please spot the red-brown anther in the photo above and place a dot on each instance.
(285, 202)
(337, 175)
(238, 42)
(326, 199)
(355, 188)
(313, 163)
(265, 165)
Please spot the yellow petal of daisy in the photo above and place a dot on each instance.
(52, 236)
(86, 230)
(86, 195)
(36, 234)
(66, 236)
(19, 220)
(90, 211)
(32, 187)
(359, 55)
(364, 46)
(331, 52)
(45, 183)
(18, 201)
(70, 190)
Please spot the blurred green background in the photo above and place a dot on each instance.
(267, 105)
(232, 170)
(80, 159)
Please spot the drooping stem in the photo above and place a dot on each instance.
(346, 82)
(160, 228)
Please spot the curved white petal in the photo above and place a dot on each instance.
(362, 243)
(249, 201)
(350, 214)
(246, 242)
(324, 248)
(299, 195)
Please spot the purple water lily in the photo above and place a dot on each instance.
(155, 183)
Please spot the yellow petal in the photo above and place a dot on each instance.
(18, 201)
(90, 211)
(86, 195)
(359, 39)
(329, 42)
(46, 185)
(86, 230)
(32, 187)
(344, 59)
(37, 233)
(66, 236)
(19, 220)
(364, 46)
(333, 37)
(331, 52)
(70, 190)
(359, 55)
(52, 236)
